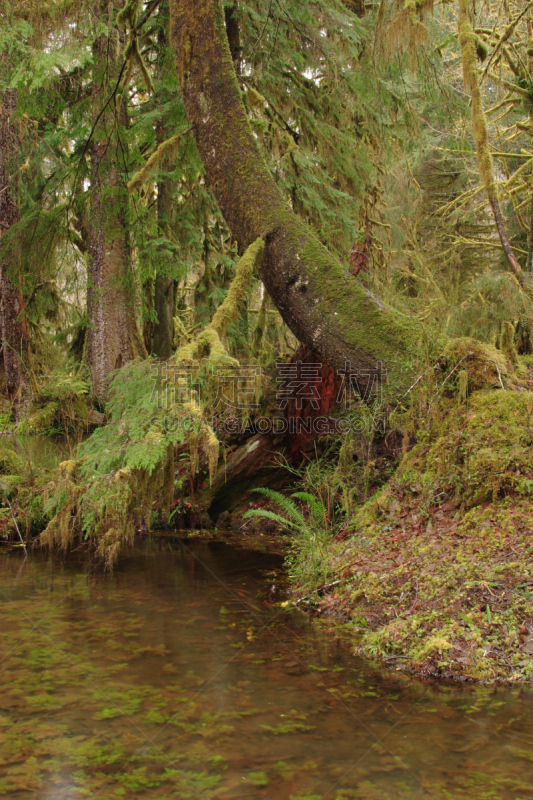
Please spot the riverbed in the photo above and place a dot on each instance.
(182, 675)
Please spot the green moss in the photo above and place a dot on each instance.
(40, 420)
(11, 463)
(438, 569)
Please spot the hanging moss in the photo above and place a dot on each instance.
(468, 41)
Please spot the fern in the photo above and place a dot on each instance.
(296, 518)
(309, 558)
(263, 512)
(318, 511)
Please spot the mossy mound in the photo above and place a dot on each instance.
(62, 405)
(484, 365)
(437, 574)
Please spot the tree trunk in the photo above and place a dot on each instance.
(11, 301)
(163, 334)
(163, 338)
(112, 336)
(318, 299)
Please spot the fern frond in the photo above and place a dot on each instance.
(288, 505)
(317, 507)
(263, 512)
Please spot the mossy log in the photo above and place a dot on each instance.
(325, 307)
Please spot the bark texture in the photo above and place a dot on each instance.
(11, 301)
(163, 336)
(318, 299)
(163, 331)
(112, 336)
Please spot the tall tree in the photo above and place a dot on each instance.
(163, 337)
(323, 305)
(11, 302)
(113, 338)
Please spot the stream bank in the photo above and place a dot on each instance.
(435, 572)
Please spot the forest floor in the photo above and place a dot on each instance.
(435, 574)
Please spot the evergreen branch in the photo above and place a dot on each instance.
(467, 40)
(302, 34)
(258, 40)
(155, 159)
(98, 118)
(512, 87)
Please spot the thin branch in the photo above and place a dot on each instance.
(15, 522)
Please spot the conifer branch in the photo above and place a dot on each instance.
(155, 159)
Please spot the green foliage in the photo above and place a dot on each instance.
(458, 505)
(60, 406)
(121, 468)
(140, 427)
(311, 533)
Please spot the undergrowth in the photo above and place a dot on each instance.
(437, 568)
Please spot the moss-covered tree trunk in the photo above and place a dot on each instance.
(112, 337)
(319, 300)
(11, 301)
(163, 337)
(163, 334)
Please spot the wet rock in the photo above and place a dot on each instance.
(224, 520)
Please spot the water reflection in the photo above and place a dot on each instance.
(179, 677)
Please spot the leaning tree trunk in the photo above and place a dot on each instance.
(318, 299)
(11, 302)
(112, 337)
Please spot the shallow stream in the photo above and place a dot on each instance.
(181, 676)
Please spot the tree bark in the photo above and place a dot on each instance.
(112, 337)
(163, 332)
(317, 297)
(11, 300)
(163, 337)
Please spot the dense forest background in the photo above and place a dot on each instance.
(363, 116)
(133, 279)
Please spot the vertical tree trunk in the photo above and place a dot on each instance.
(163, 338)
(11, 302)
(234, 36)
(112, 337)
(319, 300)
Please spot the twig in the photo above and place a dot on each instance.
(320, 589)
(453, 370)
(15, 522)
(500, 377)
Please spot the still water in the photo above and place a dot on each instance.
(180, 676)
